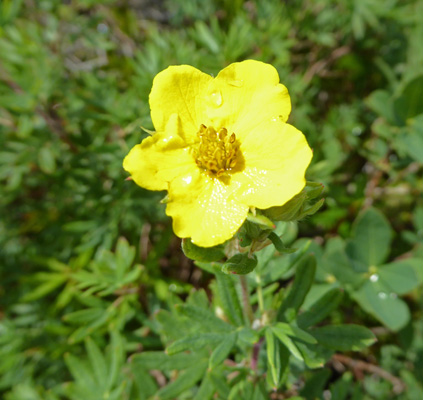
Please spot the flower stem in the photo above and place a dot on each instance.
(260, 296)
(248, 311)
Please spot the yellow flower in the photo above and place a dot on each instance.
(222, 146)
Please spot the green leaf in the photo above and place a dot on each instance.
(287, 342)
(400, 277)
(149, 360)
(410, 139)
(337, 264)
(206, 389)
(53, 281)
(205, 317)
(380, 101)
(183, 382)
(46, 160)
(229, 298)
(344, 337)
(304, 278)
(273, 358)
(279, 246)
(315, 385)
(84, 316)
(115, 358)
(374, 298)
(240, 264)
(321, 308)
(371, 238)
(202, 254)
(221, 352)
(262, 221)
(293, 331)
(314, 356)
(79, 371)
(98, 362)
(195, 342)
(409, 103)
(310, 210)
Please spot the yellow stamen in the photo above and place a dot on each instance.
(217, 152)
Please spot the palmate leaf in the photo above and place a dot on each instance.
(384, 305)
(371, 239)
(99, 376)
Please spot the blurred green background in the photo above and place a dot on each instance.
(74, 83)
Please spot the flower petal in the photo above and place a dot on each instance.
(204, 209)
(276, 157)
(180, 89)
(160, 158)
(247, 94)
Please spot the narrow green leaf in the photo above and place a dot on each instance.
(304, 278)
(125, 254)
(46, 160)
(195, 342)
(205, 317)
(315, 384)
(321, 308)
(314, 356)
(287, 342)
(261, 220)
(279, 246)
(229, 298)
(273, 358)
(344, 337)
(183, 382)
(221, 352)
(220, 384)
(149, 360)
(115, 358)
(98, 362)
(312, 209)
(206, 389)
(53, 282)
(82, 375)
(294, 331)
(84, 316)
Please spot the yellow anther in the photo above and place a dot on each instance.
(217, 152)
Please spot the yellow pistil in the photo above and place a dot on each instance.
(217, 152)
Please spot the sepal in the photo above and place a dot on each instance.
(299, 206)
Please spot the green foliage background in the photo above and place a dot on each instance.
(88, 259)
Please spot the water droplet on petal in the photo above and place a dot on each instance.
(374, 278)
(382, 295)
(393, 295)
(237, 83)
(216, 99)
(187, 179)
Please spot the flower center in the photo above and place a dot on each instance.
(217, 152)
